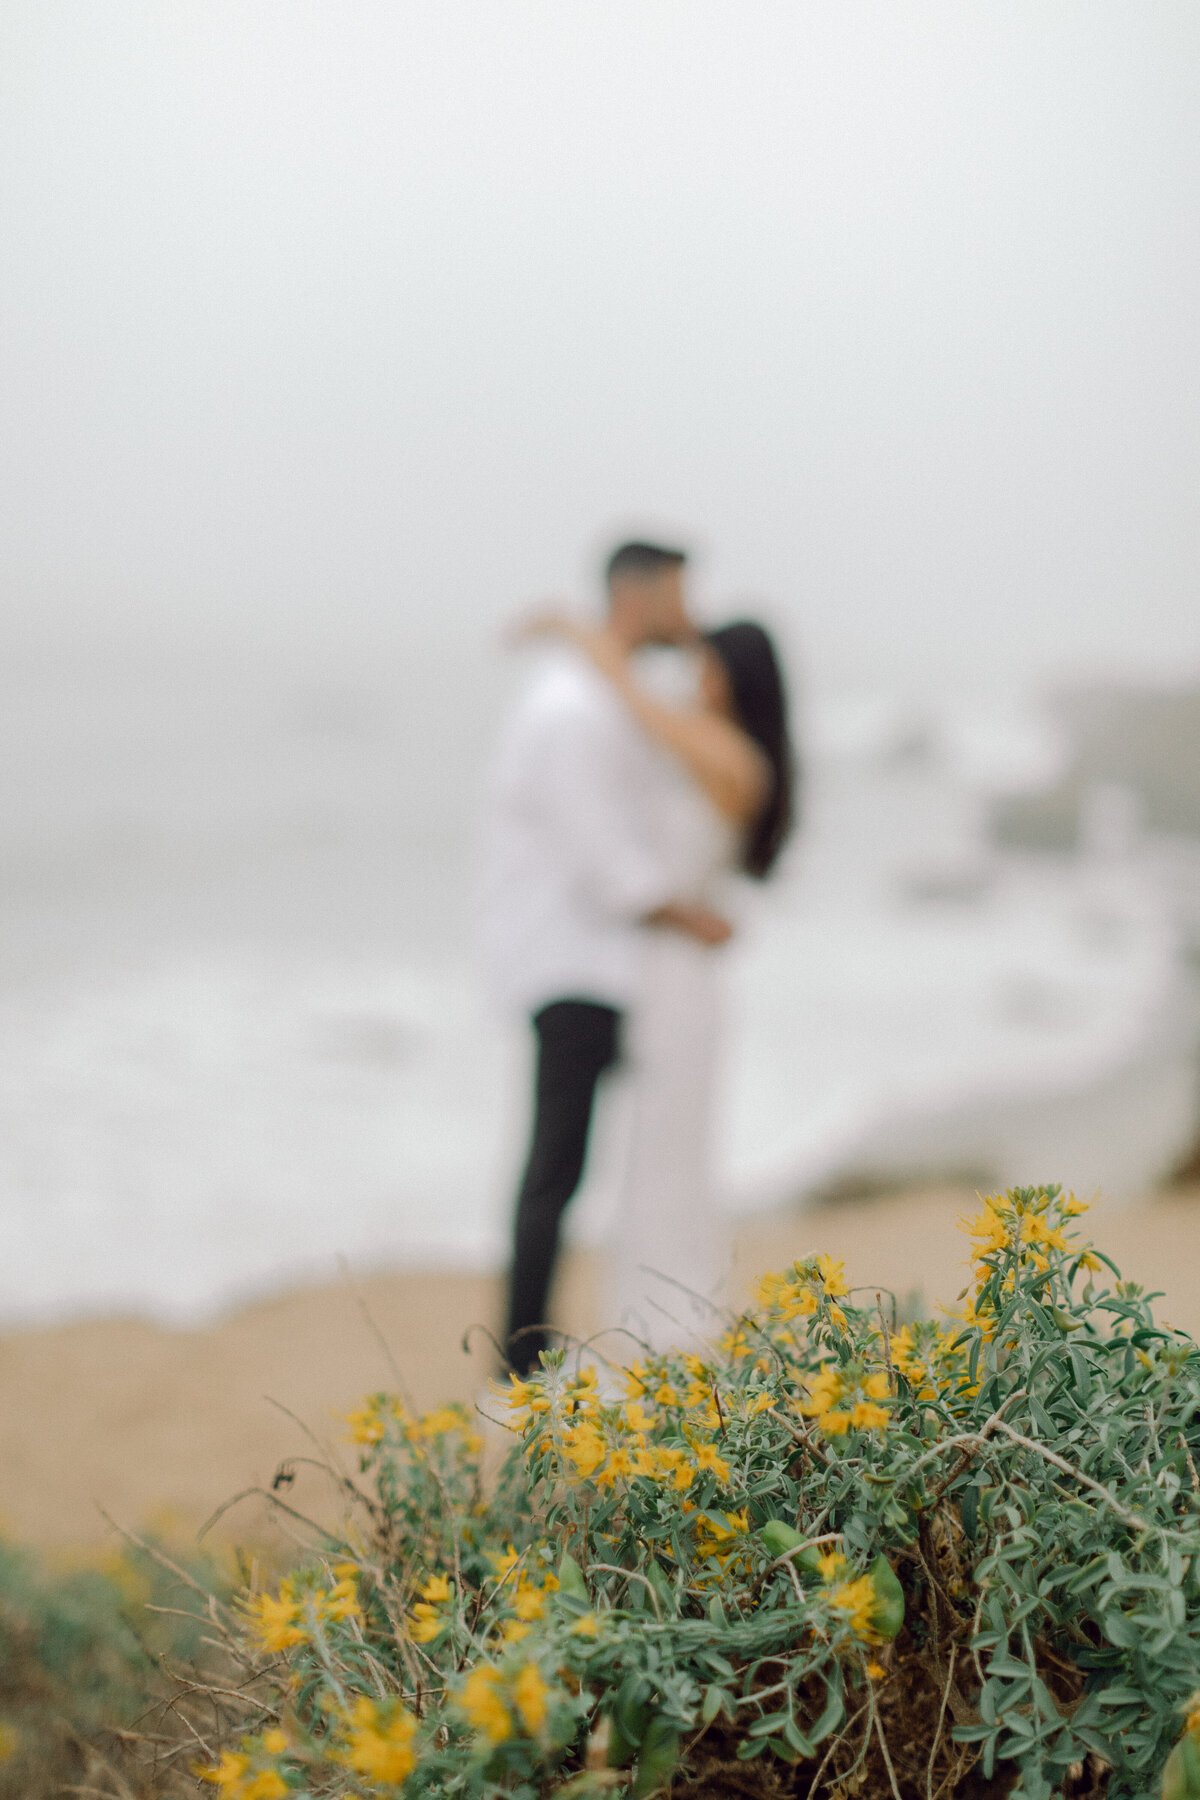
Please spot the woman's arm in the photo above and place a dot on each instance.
(726, 763)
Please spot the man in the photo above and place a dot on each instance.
(572, 880)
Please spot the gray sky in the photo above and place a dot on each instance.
(374, 318)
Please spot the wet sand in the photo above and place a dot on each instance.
(154, 1425)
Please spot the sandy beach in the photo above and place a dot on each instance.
(152, 1425)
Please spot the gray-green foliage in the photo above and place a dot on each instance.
(826, 1553)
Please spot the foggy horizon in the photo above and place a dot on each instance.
(370, 327)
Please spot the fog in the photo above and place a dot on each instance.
(359, 325)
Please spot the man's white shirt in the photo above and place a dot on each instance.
(571, 863)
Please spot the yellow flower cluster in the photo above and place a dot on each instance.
(250, 1773)
(1028, 1227)
(375, 1739)
(664, 1432)
(496, 1704)
(524, 1598)
(855, 1597)
(723, 1542)
(802, 1290)
(841, 1399)
(428, 1617)
(301, 1609)
(371, 1423)
(926, 1357)
(384, 1419)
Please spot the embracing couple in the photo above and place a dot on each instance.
(646, 762)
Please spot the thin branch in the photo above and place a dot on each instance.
(887, 1344)
(1132, 1519)
(376, 1333)
(165, 1561)
(834, 1744)
(878, 1724)
(937, 1736)
(631, 1575)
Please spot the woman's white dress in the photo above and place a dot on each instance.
(671, 1253)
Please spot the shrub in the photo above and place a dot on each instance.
(824, 1556)
(84, 1696)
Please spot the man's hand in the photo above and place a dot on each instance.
(699, 922)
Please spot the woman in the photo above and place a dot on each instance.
(731, 749)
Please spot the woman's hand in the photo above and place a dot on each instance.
(603, 649)
(541, 622)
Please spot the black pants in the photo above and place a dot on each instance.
(577, 1042)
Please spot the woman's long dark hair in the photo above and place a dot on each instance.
(751, 667)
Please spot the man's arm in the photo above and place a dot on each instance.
(595, 826)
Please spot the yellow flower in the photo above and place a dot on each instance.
(876, 1671)
(530, 1602)
(425, 1622)
(989, 1228)
(480, 1700)
(831, 1563)
(227, 1774)
(440, 1421)
(437, 1588)
(369, 1424)
(857, 1600)
(268, 1784)
(366, 1426)
(824, 1391)
(584, 1447)
(666, 1395)
(586, 1626)
(833, 1275)
(638, 1419)
(277, 1621)
(759, 1404)
(529, 1696)
(707, 1458)
(675, 1462)
(620, 1464)
(275, 1741)
(866, 1416)
(1073, 1207)
(512, 1631)
(379, 1742)
(875, 1387)
(530, 1396)
(834, 1424)
(635, 1381)
(1038, 1232)
(704, 1414)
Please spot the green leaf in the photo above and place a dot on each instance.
(657, 1758)
(570, 1577)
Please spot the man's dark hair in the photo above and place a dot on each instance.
(642, 559)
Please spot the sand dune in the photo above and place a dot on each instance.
(146, 1422)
